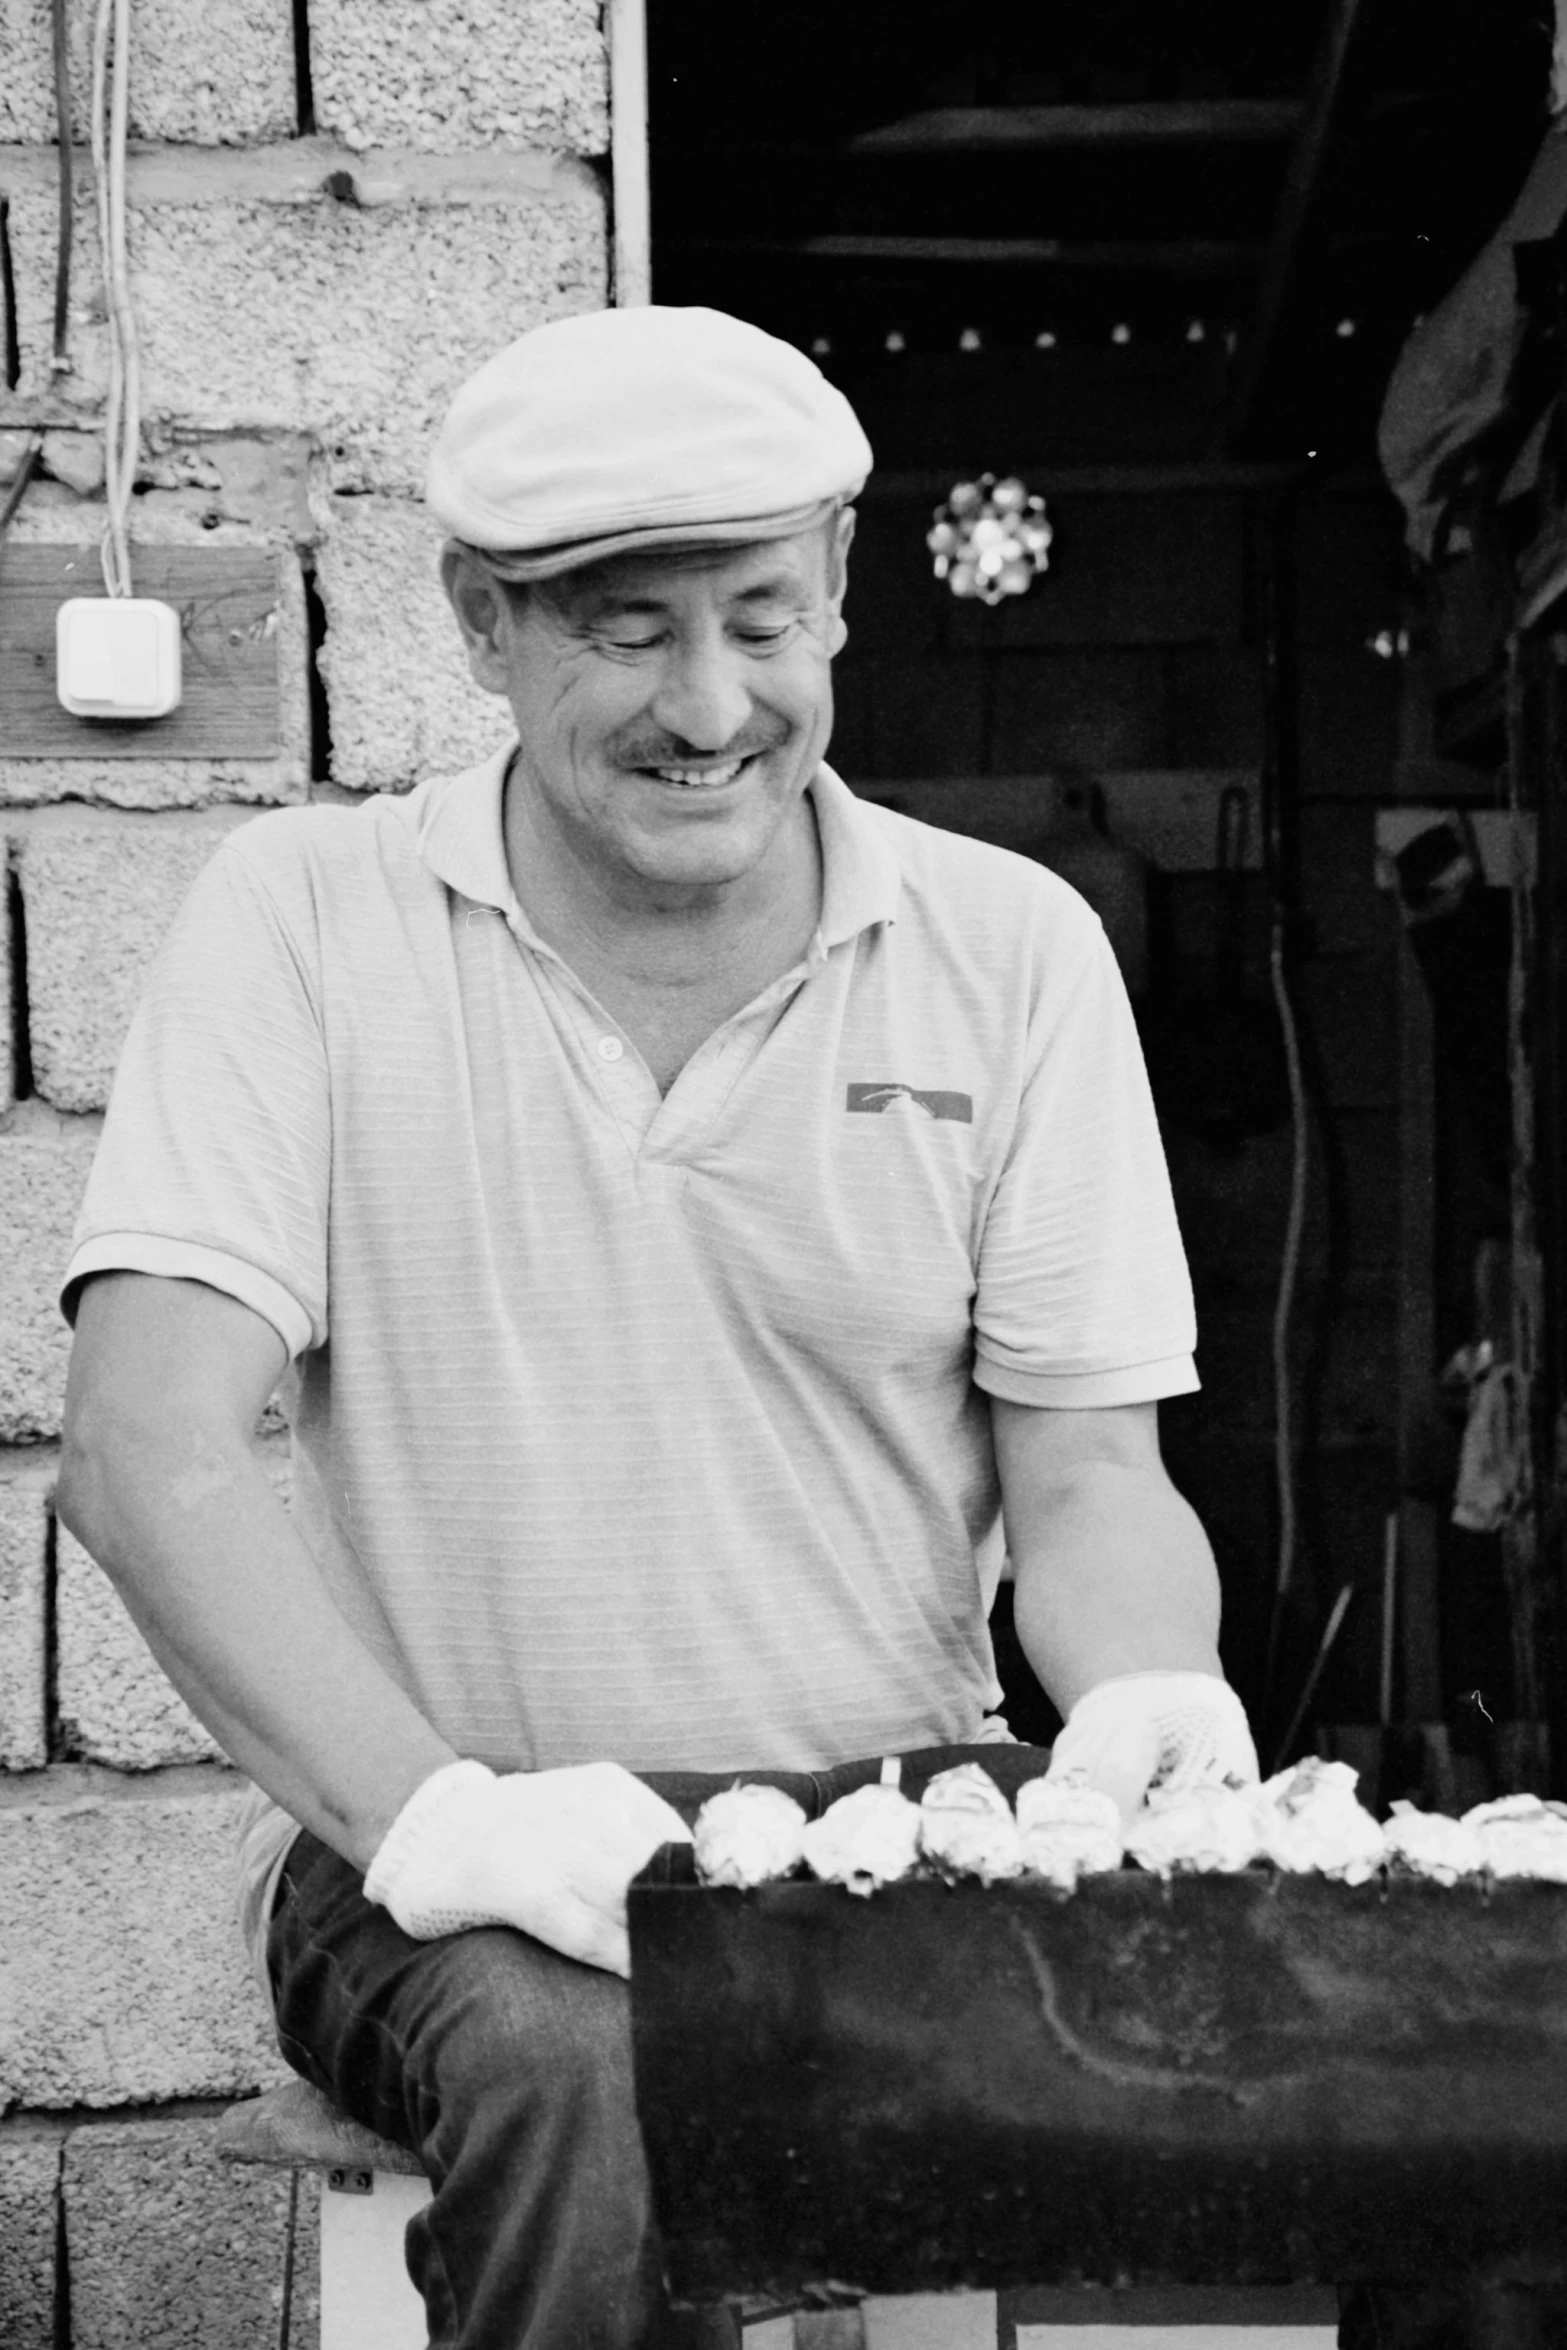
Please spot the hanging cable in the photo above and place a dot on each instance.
(60, 362)
(1278, 865)
(19, 481)
(122, 416)
(10, 333)
(1289, 1265)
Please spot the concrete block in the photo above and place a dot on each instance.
(99, 893)
(44, 1159)
(401, 701)
(125, 1978)
(308, 289)
(14, 445)
(171, 2249)
(78, 459)
(305, 2328)
(52, 515)
(441, 74)
(244, 477)
(204, 72)
(113, 1702)
(24, 1544)
(29, 2234)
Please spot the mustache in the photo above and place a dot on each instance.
(674, 753)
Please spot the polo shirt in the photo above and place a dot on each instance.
(634, 1425)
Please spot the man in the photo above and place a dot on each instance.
(694, 1207)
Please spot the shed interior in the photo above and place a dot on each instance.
(1283, 726)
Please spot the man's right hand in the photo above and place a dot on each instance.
(549, 1852)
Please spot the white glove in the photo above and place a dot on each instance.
(550, 1852)
(1145, 1730)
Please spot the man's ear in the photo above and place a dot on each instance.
(478, 599)
(838, 545)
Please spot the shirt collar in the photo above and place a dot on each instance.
(455, 821)
(861, 876)
(456, 824)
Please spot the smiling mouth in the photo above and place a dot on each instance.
(710, 778)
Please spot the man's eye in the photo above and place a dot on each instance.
(629, 644)
(764, 636)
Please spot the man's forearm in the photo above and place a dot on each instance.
(184, 1522)
(1114, 1575)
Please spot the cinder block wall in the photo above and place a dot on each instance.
(335, 210)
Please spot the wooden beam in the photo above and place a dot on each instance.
(1213, 476)
(626, 25)
(1292, 221)
(1183, 257)
(983, 130)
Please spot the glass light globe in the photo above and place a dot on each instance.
(990, 539)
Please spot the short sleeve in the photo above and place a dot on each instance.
(215, 1159)
(1083, 1294)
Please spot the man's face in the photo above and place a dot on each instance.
(670, 708)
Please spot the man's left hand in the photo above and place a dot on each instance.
(1143, 1730)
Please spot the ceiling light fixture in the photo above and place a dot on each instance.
(990, 539)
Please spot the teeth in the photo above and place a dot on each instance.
(700, 775)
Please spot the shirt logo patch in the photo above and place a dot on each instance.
(874, 1099)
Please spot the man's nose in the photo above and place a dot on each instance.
(702, 696)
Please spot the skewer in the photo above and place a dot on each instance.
(1330, 1634)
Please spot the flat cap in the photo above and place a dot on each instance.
(648, 427)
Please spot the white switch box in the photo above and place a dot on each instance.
(117, 657)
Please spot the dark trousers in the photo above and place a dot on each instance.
(507, 2069)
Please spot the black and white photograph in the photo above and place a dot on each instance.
(783, 1175)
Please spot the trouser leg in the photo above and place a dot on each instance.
(507, 2069)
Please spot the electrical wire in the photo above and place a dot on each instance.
(60, 362)
(122, 415)
(1284, 1301)
(18, 489)
(9, 333)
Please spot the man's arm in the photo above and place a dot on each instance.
(1113, 1570)
(159, 1481)
(1117, 1601)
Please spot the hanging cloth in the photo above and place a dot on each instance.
(1449, 415)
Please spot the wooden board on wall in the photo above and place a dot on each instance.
(227, 600)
